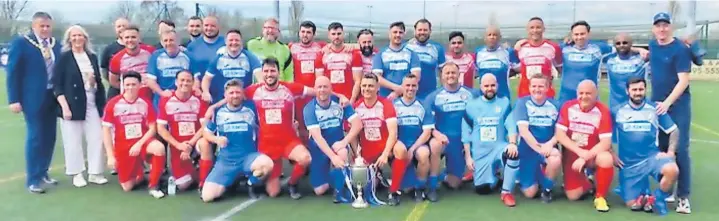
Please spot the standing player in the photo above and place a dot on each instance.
(180, 118)
(622, 66)
(132, 119)
(637, 127)
(304, 56)
(108, 52)
(448, 107)
(163, 66)
(536, 117)
(395, 61)
(234, 129)
(584, 130)
(340, 63)
(415, 125)
(134, 57)
(431, 56)
(329, 146)
(670, 64)
(379, 137)
(205, 49)
(493, 58)
(582, 60)
(235, 63)
(365, 42)
(465, 60)
(194, 28)
(275, 102)
(489, 134)
(537, 55)
(268, 45)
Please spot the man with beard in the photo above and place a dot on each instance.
(329, 146)
(205, 49)
(489, 135)
(394, 62)
(180, 119)
(163, 66)
(341, 64)
(134, 57)
(448, 105)
(465, 60)
(234, 129)
(431, 56)
(415, 125)
(622, 66)
(275, 102)
(670, 64)
(194, 28)
(639, 156)
(537, 55)
(584, 130)
(235, 63)
(109, 51)
(162, 27)
(493, 58)
(536, 117)
(304, 55)
(365, 42)
(268, 45)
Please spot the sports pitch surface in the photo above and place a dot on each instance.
(108, 202)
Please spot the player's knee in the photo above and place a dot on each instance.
(209, 194)
(321, 190)
(400, 144)
(422, 154)
(127, 186)
(483, 189)
(554, 161)
(399, 153)
(156, 148)
(604, 159)
(435, 145)
(531, 191)
(273, 188)
(670, 170)
(574, 195)
(301, 156)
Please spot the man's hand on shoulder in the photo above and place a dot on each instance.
(16, 108)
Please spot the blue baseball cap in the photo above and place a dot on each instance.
(662, 16)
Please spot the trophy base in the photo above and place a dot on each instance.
(359, 204)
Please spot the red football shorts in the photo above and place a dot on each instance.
(182, 170)
(129, 168)
(371, 153)
(574, 179)
(278, 148)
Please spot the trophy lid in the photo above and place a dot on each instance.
(359, 161)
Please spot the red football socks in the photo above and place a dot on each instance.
(205, 168)
(399, 166)
(297, 173)
(604, 180)
(158, 165)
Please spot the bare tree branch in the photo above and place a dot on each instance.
(123, 9)
(10, 11)
(297, 11)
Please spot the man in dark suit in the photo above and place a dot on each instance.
(30, 91)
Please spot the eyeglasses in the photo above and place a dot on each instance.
(621, 43)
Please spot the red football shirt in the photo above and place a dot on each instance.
(374, 120)
(275, 107)
(585, 127)
(367, 62)
(466, 67)
(123, 62)
(339, 66)
(182, 116)
(303, 59)
(538, 59)
(130, 119)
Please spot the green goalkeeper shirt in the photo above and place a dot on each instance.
(263, 49)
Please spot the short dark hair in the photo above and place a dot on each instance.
(398, 24)
(131, 27)
(410, 76)
(335, 25)
(194, 17)
(536, 18)
(43, 15)
(581, 23)
(271, 61)
(233, 83)
(167, 22)
(635, 80)
(370, 76)
(236, 31)
(365, 32)
(183, 71)
(132, 74)
(309, 24)
(455, 34)
(424, 20)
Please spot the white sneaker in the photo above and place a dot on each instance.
(79, 180)
(683, 207)
(97, 179)
(671, 199)
(158, 194)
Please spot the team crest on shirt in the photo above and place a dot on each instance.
(498, 109)
(463, 96)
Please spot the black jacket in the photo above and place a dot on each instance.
(67, 80)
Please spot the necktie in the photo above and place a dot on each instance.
(48, 62)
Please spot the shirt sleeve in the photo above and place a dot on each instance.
(414, 63)
(211, 126)
(427, 119)
(563, 122)
(212, 68)
(356, 61)
(389, 112)
(108, 118)
(162, 117)
(288, 73)
(297, 89)
(509, 123)
(115, 63)
(683, 61)
(520, 113)
(319, 62)
(513, 58)
(349, 113)
(441, 57)
(605, 124)
(310, 117)
(666, 123)
(466, 130)
(429, 104)
(605, 48)
(151, 114)
(377, 64)
(152, 71)
(557, 61)
(106, 56)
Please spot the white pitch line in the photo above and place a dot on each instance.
(705, 141)
(244, 205)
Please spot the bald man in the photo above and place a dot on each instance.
(623, 65)
(109, 51)
(584, 130)
(324, 117)
(489, 135)
(205, 49)
(493, 58)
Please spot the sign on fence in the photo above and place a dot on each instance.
(710, 70)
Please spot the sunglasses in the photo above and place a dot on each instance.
(621, 43)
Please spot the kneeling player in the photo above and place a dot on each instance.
(536, 117)
(415, 126)
(324, 117)
(489, 136)
(379, 121)
(637, 127)
(183, 113)
(234, 129)
(585, 131)
(133, 120)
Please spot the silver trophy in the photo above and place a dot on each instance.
(360, 178)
